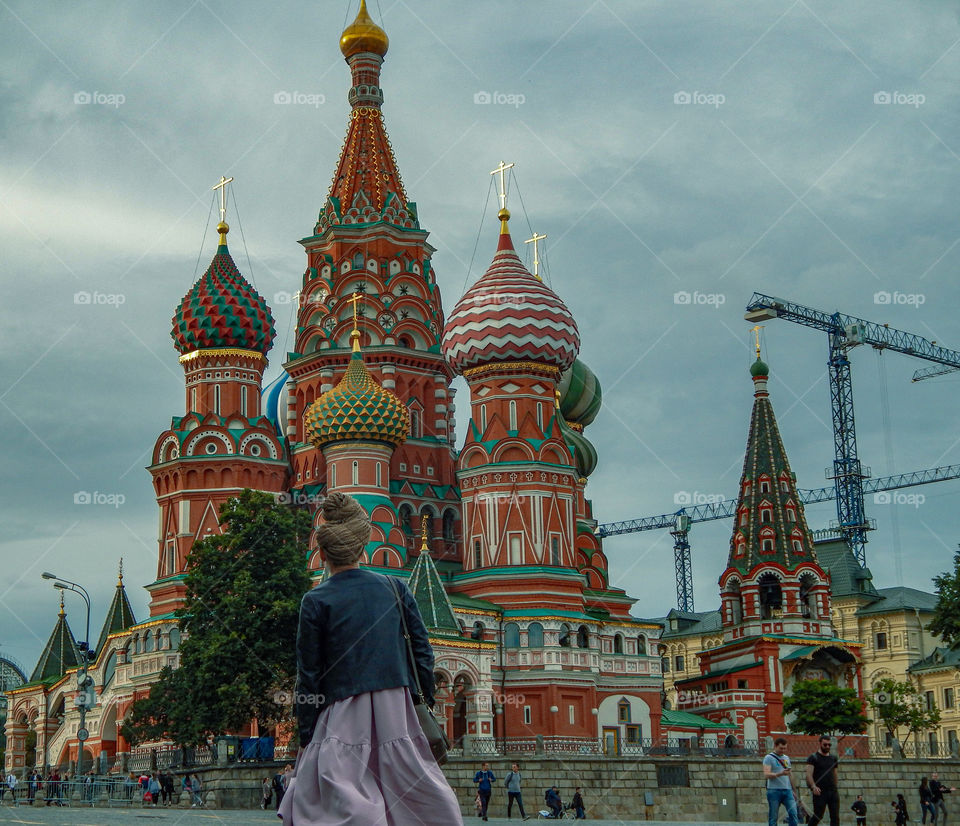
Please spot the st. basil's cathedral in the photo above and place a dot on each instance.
(496, 539)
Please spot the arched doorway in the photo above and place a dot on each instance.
(461, 691)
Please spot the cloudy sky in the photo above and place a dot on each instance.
(794, 147)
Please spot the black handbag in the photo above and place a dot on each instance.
(431, 728)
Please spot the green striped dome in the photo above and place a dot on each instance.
(584, 453)
(580, 394)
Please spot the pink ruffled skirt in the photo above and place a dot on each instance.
(369, 764)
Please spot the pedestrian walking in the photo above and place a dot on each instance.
(777, 772)
(11, 786)
(266, 793)
(484, 780)
(196, 789)
(860, 810)
(166, 788)
(32, 783)
(926, 802)
(512, 782)
(364, 757)
(580, 813)
(822, 781)
(153, 787)
(937, 791)
(278, 788)
(901, 816)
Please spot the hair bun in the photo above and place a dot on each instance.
(338, 507)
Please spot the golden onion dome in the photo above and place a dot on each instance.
(357, 409)
(363, 35)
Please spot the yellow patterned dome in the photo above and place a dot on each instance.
(363, 35)
(358, 408)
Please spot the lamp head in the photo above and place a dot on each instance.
(48, 575)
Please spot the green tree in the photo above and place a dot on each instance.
(892, 702)
(238, 657)
(946, 614)
(822, 707)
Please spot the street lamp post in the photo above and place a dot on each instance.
(86, 697)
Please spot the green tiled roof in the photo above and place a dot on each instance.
(900, 599)
(941, 659)
(722, 672)
(119, 616)
(847, 578)
(690, 622)
(59, 654)
(431, 596)
(688, 720)
(463, 601)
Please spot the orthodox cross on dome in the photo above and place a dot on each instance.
(424, 546)
(355, 299)
(536, 260)
(756, 332)
(120, 574)
(503, 167)
(222, 186)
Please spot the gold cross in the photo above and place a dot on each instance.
(355, 335)
(222, 186)
(756, 331)
(536, 260)
(423, 535)
(503, 189)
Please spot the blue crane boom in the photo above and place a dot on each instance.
(846, 331)
(680, 521)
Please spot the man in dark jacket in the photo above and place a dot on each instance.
(484, 780)
(552, 799)
(937, 791)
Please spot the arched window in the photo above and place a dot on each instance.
(535, 635)
(766, 512)
(540, 415)
(355, 473)
(379, 474)
(193, 398)
(511, 635)
(331, 476)
(764, 485)
(583, 637)
(415, 424)
(449, 520)
(243, 401)
(807, 603)
(147, 642)
(477, 554)
(736, 602)
(406, 519)
(766, 546)
(477, 633)
(137, 645)
(771, 596)
(618, 643)
(216, 399)
(797, 546)
(174, 638)
(739, 545)
(385, 559)
(483, 418)
(744, 517)
(513, 415)
(565, 635)
(641, 644)
(110, 668)
(554, 551)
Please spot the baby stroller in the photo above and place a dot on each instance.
(547, 813)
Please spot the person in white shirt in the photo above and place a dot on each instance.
(12, 786)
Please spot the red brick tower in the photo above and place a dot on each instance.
(223, 330)
(368, 240)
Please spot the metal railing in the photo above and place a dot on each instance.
(667, 746)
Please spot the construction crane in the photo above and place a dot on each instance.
(845, 332)
(680, 522)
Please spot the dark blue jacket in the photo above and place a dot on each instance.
(350, 641)
(485, 779)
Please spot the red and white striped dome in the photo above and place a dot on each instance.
(510, 315)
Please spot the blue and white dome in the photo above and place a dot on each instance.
(273, 403)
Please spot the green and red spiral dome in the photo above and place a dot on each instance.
(222, 309)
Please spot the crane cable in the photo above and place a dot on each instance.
(888, 456)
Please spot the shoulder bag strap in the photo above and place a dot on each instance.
(406, 636)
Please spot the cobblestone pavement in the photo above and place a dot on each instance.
(192, 817)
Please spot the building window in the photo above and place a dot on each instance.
(744, 518)
(526, 715)
(742, 684)
(513, 415)
(477, 554)
(678, 663)
(665, 665)
(881, 640)
(565, 635)
(540, 415)
(641, 644)
(583, 637)
(415, 424)
(331, 476)
(516, 550)
(572, 716)
(385, 559)
(535, 635)
(766, 514)
(623, 711)
(147, 643)
(797, 546)
(171, 561)
(618, 643)
(483, 418)
(554, 551)
(193, 398)
(764, 486)
(952, 740)
(216, 399)
(379, 475)
(511, 635)
(243, 401)
(766, 546)
(355, 474)
(633, 734)
(929, 701)
(948, 700)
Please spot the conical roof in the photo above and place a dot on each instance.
(222, 309)
(770, 525)
(60, 653)
(431, 596)
(119, 615)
